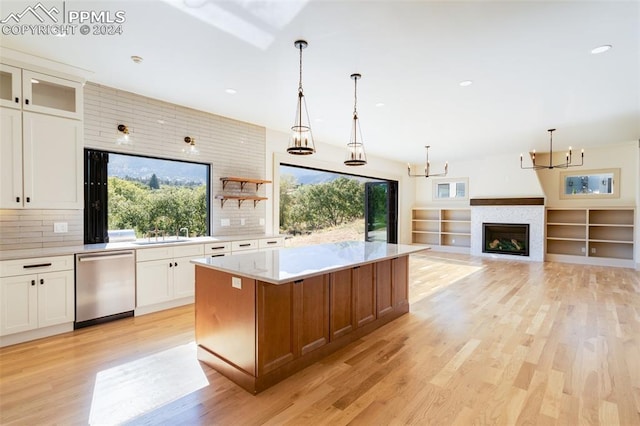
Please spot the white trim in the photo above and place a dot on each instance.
(143, 310)
(38, 333)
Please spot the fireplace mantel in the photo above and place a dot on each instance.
(528, 201)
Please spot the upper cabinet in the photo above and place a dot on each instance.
(38, 92)
(41, 140)
(10, 86)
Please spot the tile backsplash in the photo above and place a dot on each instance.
(27, 228)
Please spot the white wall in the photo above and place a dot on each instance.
(331, 157)
(499, 176)
(623, 156)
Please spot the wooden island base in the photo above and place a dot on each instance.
(257, 333)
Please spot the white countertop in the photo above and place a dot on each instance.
(282, 265)
(89, 248)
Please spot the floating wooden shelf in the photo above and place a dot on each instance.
(243, 181)
(240, 198)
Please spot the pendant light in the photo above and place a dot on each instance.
(427, 168)
(355, 148)
(124, 137)
(565, 165)
(301, 142)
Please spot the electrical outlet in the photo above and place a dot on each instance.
(593, 250)
(584, 250)
(60, 227)
(261, 221)
(236, 282)
(225, 222)
(243, 221)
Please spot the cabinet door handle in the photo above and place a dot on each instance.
(17, 199)
(272, 242)
(170, 265)
(36, 265)
(175, 264)
(33, 282)
(26, 101)
(28, 199)
(217, 248)
(41, 281)
(17, 100)
(244, 245)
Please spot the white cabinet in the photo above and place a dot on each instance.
(165, 274)
(47, 94)
(36, 293)
(41, 159)
(222, 248)
(38, 92)
(40, 141)
(10, 86)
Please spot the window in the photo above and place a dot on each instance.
(450, 189)
(602, 183)
(318, 206)
(125, 191)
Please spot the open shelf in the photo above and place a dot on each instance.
(240, 198)
(442, 228)
(601, 235)
(243, 181)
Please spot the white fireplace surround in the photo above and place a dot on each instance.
(531, 215)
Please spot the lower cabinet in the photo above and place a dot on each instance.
(165, 274)
(38, 299)
(292, 320)
(391, 288)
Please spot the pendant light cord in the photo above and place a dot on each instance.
(300, 80)
(355, 98)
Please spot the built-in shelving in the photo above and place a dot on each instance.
(445, 229)
(602, 236)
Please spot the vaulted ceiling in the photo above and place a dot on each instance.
(530, 64)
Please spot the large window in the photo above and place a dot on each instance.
(145, 194)
(318, 206)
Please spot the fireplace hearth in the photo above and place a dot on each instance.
(505, 238)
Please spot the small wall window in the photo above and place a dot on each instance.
(602, 183)
(451, 189)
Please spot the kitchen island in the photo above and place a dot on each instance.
(261, 317)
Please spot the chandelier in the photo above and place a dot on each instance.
(427, 168)
(567, 158)
(355, 149)
(301, 141)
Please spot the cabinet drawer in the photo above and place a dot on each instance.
(214, 248)
(271, 242)
(9, 268)
(196, 250)
(244, 245)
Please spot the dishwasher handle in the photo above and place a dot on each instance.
(105, 257)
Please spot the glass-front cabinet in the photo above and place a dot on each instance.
(37, 92)
(51, 95)
(10, 92)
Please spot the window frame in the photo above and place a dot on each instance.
(450, 181)
(582, 196)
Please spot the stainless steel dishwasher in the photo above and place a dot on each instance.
(105, 286)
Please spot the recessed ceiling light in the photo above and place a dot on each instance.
(136, 59)
(231, 91)
(601, 49)
(160, 121)
(380, 104)
(466, 83)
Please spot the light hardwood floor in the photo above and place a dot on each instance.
(486, 342)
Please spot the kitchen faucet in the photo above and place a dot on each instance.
(186, 233)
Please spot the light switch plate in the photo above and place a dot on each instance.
(243, 221)
(60, 227)
(236, 282)
(261, 221)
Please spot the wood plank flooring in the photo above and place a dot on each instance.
(486, 342)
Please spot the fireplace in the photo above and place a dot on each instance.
(505, 238)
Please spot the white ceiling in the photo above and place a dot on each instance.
(530, 64)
